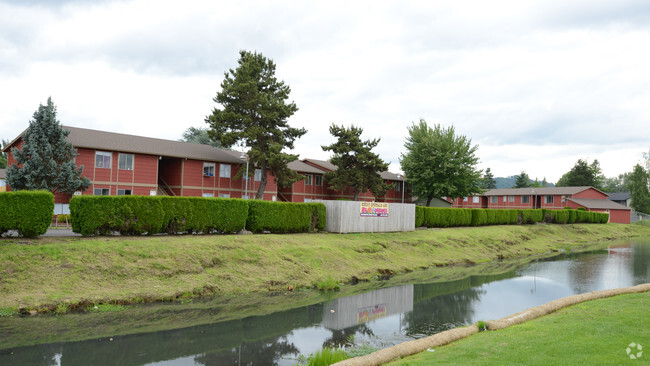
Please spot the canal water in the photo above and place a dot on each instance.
(380, 318)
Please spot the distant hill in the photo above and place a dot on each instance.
(510, 181)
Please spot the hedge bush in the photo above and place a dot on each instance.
(445, 217)
(28, 212)
(285, 217)
(203, 215)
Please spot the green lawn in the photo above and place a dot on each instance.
(592, 333)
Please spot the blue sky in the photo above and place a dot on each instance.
(536, 84)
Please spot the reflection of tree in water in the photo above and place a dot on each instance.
(641, 262)
(47, 356)
(441, 313)
(265, 352)
(341, 337)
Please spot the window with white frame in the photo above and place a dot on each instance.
(319, 180)
(102, 159)
(511, 198)
(398, 186)
(548, 199)
(505, 198)
(494, 199)
(258, 175)
(208, 169)
(101, 191)
(525, 199)
(475, 199)
(307, 200)
(123, 192)
(464, 199)
(224, 195)
(308, 178)
(125, 161)
(224, 170)
(207, 195)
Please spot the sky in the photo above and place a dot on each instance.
(536, 85)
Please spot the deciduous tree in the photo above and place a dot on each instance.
(199, 136)
(254, 112)
(437, 163)
(3, 155)
(357, 166)
(46, 159)
(583, 174)
(638, 183)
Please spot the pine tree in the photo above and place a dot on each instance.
(357, 166)
(488, 180)
(522, 181)
(255, 114)
(45, 159)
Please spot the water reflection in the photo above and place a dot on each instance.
(381, 318)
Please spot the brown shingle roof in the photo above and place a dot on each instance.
(599, 204)
(536, 191)
(302, 167)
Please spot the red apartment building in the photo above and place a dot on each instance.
(590, 198)
(121, 164)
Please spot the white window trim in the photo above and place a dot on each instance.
(120, 161)
(101, 191)
(209, 165)
(124, 192)
(526, 197)
(319, 180)
(475, 199)
(224, 195)
(104, 153)
(224, 170)
(308, 179)
(207, 195)
(258, 175)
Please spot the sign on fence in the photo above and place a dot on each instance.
(374, 209)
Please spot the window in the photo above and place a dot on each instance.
(102, 159)
(125, 161)
(511, 198)
(207, 195)
(548, 199)
(475, 199)
(525, 199)
(494, 199)
(308, 179)
(258, 175)
(224, 195)
(224, 170)
(123, 192)
(101, 191)
(505, 198)
(398, 186)
(208, 169)
(319, 180)
(464, 199)
(308, 200)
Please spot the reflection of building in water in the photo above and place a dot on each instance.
(353, 310)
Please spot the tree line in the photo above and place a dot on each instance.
(252, 111)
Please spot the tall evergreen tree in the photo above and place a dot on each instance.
(638, 183)
(583, 174)
(357, 166)
(522, 181)
(46, 159)
(254, 114)
(488, 180)
(437, 163)
(3, 155)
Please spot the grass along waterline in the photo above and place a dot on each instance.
(45, 273)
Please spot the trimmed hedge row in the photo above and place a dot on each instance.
(285, 217)
(446, 217)
(28, 212)
(136, 215)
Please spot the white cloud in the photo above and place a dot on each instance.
(536, 85)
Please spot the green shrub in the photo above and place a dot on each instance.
(285, 217)
(28, 212)
(446, 217)
(135, 215)
(479, 217)
(324, 357)
(530, 216)
(419, 216)
(203, 215)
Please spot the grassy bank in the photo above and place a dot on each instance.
(53, 274)
(596, 332)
